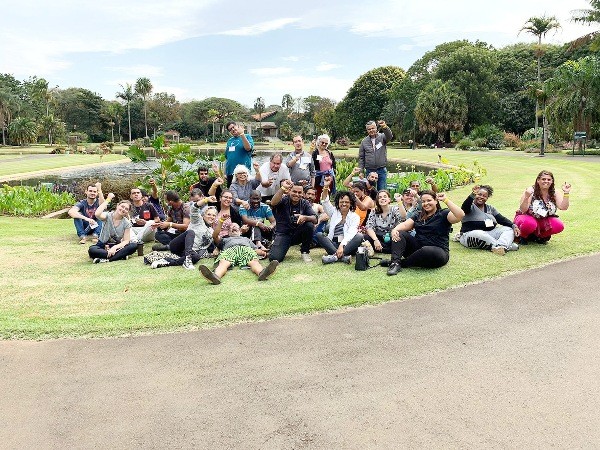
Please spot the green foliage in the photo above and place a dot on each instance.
(465, 144)
(367, 97)
(26, 201)
(441, 107)
(487, 135)
(343, 168)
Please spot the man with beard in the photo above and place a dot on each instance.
(255, 217)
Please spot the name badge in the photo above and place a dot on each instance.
(378, 145)
(305, 160)
(319, 157)
(232, 148)
(172, 230)
(93, 226)
(303, 167)
(489, 223)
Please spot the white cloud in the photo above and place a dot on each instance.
(139, 70)
(324, 67)
(291, 58)
(270, 71)
(260, 28)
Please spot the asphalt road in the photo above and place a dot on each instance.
(509, 363)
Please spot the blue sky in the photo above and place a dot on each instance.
(242, 50)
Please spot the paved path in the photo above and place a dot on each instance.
(510, 363)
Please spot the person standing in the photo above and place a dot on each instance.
(300, 164)
(238, 150)
(85, 210)
(372, 154)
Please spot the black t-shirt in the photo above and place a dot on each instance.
(285, 209)
(139, 212)
(435, 230)
(205, 187)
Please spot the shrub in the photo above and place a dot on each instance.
(530, 135)
(342, 141)
(30, 202)
(343, 168)
(121, 186)
(489, 136)
(511, 140)
(465, 144)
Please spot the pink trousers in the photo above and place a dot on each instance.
(542, 228)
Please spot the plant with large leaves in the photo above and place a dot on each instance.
(23, 130)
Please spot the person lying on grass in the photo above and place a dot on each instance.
(236, 251)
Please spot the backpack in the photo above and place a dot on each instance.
(362, 259)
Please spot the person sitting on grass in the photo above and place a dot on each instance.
(254, 216)
(429, 247)
(178, 219)
(236, 251)
(537, 214)
(242, 185)
(381, 221)
(83, 214)
(113, 243)
(196, 242)
(153, 199)
(143, 216)
(295, 222)
(343, 238)
(310, 195)
(483, 226)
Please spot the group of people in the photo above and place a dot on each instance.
(240, 220)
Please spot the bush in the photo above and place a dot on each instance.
(530, 134)
(343, 168)
(465, 144)
(489, 136)
(27, 201)
(121, 186)
(511, 140)
(526, 145)
(342, 141)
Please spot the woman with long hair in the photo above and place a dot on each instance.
(324, 164)
(429, 247)
(536, 216)
(114, 241)
(381, 221)
(343, 238)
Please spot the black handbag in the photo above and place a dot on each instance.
(362, 260)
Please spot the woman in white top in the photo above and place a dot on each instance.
(343, 238)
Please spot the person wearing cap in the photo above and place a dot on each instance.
(372, 153)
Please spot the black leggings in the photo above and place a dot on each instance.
(182, 245)
(417, 255)
(99, 251)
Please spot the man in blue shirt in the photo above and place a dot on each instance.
(238, 150)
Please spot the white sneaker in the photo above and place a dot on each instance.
(328, 259)
(346, 259)
(513, 247)
(188, 264)
(159, 263)
(306, 257)
(99, 260)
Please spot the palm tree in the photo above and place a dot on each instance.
(51, 125)
(127, 95)
(539, 26)
(259, 107)
(23, 130)
(587, 17)
(287, 103)
(8, 104)
(143, 87)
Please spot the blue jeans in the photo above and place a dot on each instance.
(382, 177)
(83, 228)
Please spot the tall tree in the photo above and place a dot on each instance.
(259, 108)
(441, 107)
(143, 88)
(539, 27)
(368, 95)
(8, 105)
(287, 103)
(51, 126)
(127, 95)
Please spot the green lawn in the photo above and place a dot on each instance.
(50, 289)
(13, 165)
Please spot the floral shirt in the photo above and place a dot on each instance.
(383, 224)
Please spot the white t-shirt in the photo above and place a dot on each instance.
(277, 177)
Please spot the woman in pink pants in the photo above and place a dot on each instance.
(536, 217)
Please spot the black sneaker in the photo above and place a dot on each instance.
(209, 274)
(394, 268)
(264, 274)
(160, 247)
